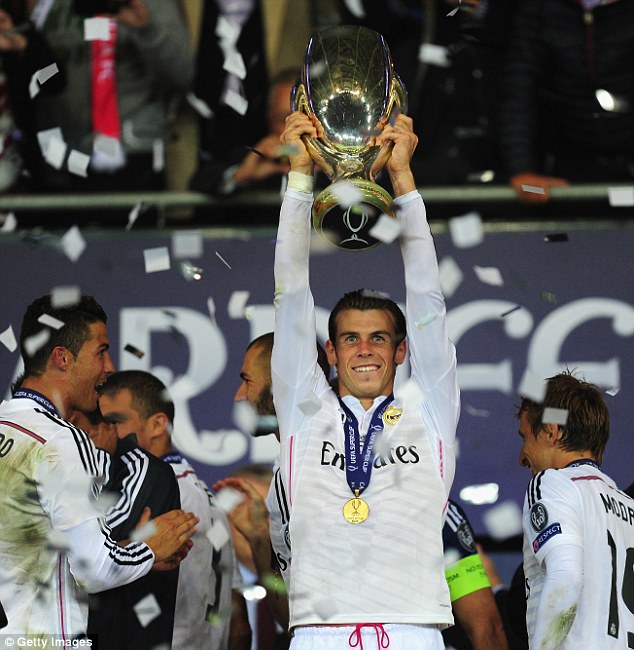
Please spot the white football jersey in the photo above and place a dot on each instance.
(208, 574)
(279, 517)
(580, 505)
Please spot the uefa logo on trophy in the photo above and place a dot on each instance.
(349, 83)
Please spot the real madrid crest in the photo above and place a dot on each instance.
(392, 415)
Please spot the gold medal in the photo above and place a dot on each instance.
(356, 510)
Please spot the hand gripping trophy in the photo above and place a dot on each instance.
(348, 82)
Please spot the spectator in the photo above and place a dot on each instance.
(568, 96)
(210, 610)
(49, 475)
(118, 118)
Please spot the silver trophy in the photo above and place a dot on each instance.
(348, 82)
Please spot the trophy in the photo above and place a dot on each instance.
(348, 82)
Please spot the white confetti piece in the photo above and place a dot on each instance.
(489, 275)
(612, 391)
(253, 593)
(466, 231)
(187, 245)
(34, 87)
(450, 275)
(33, 343)
(147, 609)
(475, 412)
(236, 101)
(620, 197)
(553, 415)
(437, 55)
(480, 494)
(147, 530)
(7, 338)
(156, 259)
(9, 223)
(158, 155)
(451, 556)
(355, 7)
(134, 215)
(346, 193)
(200, 106)
(426, 320)
(532, 386)
(533, 189)
(223, 260)
(211, 308)
(218, 534)
(409, 392)
(78, 163)
(57, 541)
(453, 12)
(73, 243)
(234, 64)
(245, 416)
(97, 29)
(228, 499)
(55, 152)
(503, 520)
(385, 229)
(237, 304)
(106, 145)
(227, 30)
(45, 136)
(325, 609)
(44, 74)
(50, 321)
(310, 405)
(65, 296)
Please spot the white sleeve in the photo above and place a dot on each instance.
(432, 354)
(560, 596)
(294, 369)
(96, 560)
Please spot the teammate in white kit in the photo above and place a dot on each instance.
(54, 544)
(578, 526)
(210, 610)
(365, 529)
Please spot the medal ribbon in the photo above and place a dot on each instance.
(359, 461)
(173, 457)
(584, 461)
(38, 397)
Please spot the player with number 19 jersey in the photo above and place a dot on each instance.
(581, 508)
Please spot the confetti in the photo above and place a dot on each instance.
(451, 556)
(228, 499)
(7, 338)
(139, 354)
(532, 386)
(310, 405)
(237, 304)
(489, 275)
(346, 193)
(55, 152)
(97, 29)
(510, 311)
(453, 12)
(253, 592)
(187, 245)
(44, 74)
(73, 244)
(245, 417)
(236, 101)
(437, 55)
(218, 534)
(57, 541)
(620, 197)
(533, 189)
(227, 30)
(106, 145)
(385, 229)
(222, 259)
(156, 259)
(325, 609)
(9, 222)
(33, 343)
(451, 276)
(503, 520)
(355, 7)
(65, 296)
(556, 237)
(147, 609)
(158, 155)
(612, 391)
(476, 413)
(211, 308)
(234, 64)
(409, 392)
(553, 415)
(50, 321)
(78, 163)
(200, 106)
(480, 494)
(134, 215)
(191, 272)
(141, 533)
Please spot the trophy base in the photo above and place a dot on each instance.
(349, 228)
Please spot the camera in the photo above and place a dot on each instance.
(89, 8)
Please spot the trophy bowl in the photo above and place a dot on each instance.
(349, 83)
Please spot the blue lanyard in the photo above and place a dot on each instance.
(173, 458)
(359, 461)
(38, 397)
(584, 461)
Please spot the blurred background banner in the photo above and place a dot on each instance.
(529, 298)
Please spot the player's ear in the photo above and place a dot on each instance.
(400, 352)
(158, 423)
(331, 353)
(554, 433)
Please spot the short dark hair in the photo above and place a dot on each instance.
(149, 394)
(364, 300)
(265, 342)
(588, 423)
(72, 335)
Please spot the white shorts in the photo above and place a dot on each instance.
(368, 636)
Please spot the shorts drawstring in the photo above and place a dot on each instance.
(382, 639)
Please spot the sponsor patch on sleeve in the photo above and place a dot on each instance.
(545, 535)
(539, 517)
